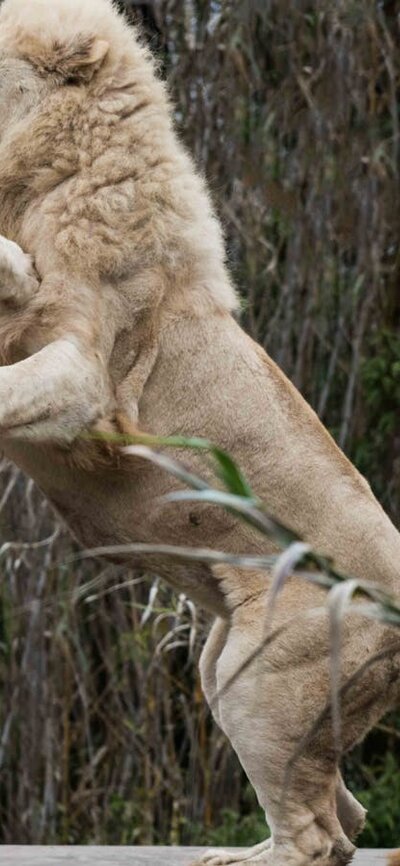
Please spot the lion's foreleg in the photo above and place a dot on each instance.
(54, 394)
(130, 390)
(18, 280)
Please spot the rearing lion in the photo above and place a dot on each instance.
(129, 308)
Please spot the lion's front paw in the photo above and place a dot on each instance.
(18, 280)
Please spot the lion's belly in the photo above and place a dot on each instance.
(94, 505)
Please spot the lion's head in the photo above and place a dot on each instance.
(47, 46)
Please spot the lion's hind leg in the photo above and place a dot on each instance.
(350, 812)
(265, 710)
(262, 712)
(208, 670)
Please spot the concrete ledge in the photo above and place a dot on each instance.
(32, 855)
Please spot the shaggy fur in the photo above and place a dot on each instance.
(130, 310)
(106, 176)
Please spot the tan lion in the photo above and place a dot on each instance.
(128, 306)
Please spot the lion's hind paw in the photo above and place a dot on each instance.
(219, 857)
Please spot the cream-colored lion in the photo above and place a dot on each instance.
(121, 302)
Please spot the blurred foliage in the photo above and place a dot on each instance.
(376, 445)
(381, 798)
(291, 110)
(233, 830)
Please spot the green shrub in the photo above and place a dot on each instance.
(382, 799)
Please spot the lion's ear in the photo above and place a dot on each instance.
(77, 60)
(97, 52)
(80, 59)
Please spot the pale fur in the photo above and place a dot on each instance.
(133, 306)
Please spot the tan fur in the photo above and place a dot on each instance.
(131, 314)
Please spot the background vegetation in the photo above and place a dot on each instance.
(291, 109)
